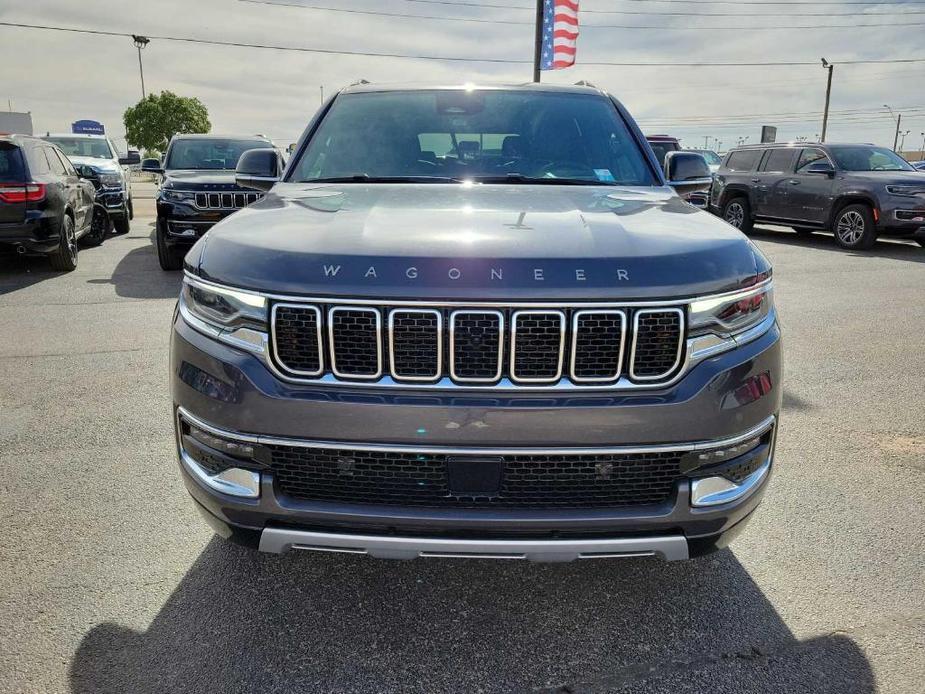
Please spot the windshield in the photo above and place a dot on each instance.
(712, 157)
(868, 158)
(96, 147)
(453, 135)
(209, 153)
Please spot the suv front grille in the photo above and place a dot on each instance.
(226, 201)
(527, 480)
(479, 347)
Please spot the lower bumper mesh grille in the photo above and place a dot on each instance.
(412, 479)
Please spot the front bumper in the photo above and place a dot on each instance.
(184, 223)
(232, 392)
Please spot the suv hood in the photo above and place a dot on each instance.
(199, 179)
(97, 164)
(476, 241)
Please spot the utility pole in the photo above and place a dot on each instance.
(706, 142)
(141, 42)
(898, 119)
(828, 95)
(538, 41)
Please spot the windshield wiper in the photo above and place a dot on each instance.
(366, 178)
(542, 180)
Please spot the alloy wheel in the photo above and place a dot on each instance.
(70, 238)
(735, 214)
(850, 227)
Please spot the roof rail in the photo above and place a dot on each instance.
(359, 81)
(586, 83)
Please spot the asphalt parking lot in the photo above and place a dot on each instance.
(110, 582)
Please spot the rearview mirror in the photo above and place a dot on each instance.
(258, 169)
(820, 168)
(131, 158)
(152, 166)
(687, 172)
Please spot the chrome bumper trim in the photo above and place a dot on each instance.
(476, 450)
(279, 540)
(233, 482)
(713, 491)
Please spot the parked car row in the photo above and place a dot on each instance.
(858, 191)
(61, 189)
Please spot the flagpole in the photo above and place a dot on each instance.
(538, 41)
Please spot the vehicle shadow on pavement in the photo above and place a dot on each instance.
(884, 248)
(241, 621)
(139, 276)
(21, 271)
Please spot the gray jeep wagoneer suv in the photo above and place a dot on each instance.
(476, 322)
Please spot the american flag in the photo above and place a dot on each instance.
(560, 34)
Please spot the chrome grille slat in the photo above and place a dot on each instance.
(537, 345)
(607, 347)
(355, 342)
(476, 346)
(597, 352)
(416, 344)
(656, 353)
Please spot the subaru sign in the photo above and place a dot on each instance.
(89, 127)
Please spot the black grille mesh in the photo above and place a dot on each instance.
(410, 479)
(597, 345)
(296, 338)
(476, 342)
(226, 200)
(356, 341)
(657, 336)
(415, 344)
(537, 338)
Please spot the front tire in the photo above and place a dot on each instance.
(64, 257)
(167, 256)
(99, 227)
(121, 223)
(854, 228)
(738, 213)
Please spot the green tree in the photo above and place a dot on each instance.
(151, 122)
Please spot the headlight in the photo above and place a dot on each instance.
(177, 195)
(905, 190)
(110, 180)
(732, 314)
(224, 309)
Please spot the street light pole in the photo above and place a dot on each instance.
(828, 95)
(538, 41)
(902, 142)
(141, 42)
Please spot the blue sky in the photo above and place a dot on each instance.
(63, 77)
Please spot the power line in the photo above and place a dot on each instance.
(466, 59)
(659, 27)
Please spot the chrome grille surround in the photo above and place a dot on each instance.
(333, 311)
(230, 200)
(694, 349)
(274, 312)
(439, 338)
(632, 360)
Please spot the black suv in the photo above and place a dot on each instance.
(45, 207)
(198, 189)
(857, 191)
(476, 322)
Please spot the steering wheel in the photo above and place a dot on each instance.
(568, 169)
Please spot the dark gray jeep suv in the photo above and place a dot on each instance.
(857, 191)
(475, 322)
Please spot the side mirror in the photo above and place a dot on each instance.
(152, 166)
(687, 172)
(131, 158)
(84, 171)
(257, 168)
(820, 168)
